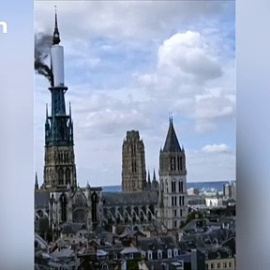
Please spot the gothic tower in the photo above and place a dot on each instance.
(133, 163)
(172, 190)
(59, 169)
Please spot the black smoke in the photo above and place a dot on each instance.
(43, 43)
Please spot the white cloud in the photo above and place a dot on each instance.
(210, 166)
(188, 53)
(127, 66)
(189, 79)
(127, 19)
(216, 148)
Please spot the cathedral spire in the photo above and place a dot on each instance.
(171, 143)
(59, 168)
(56, 34)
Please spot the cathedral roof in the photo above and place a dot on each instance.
(129, 198)
(171, 143)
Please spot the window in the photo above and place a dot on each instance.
(134, 166)
(175, 224)
(182, 186)
(149, 255)
(173, 163)
(169, 253)
(60, 176)
(230, 264)
(225, 265)
(173, 186)
(159, 254)
(175, 213)
(180, 201)
(67, 176)
(131, 255)
(218, 265)
(133, 150)
(181, 212)
(175, 252)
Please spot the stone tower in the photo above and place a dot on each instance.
(133, 163)
(59, 168)
(172, 209)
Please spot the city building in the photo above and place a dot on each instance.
(229, 190)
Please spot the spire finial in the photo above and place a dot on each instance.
(56, 35)
(55, 11)
(171, 117)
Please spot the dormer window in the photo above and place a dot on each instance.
(169, 253)
(175, 252)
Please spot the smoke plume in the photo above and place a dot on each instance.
(43, 44)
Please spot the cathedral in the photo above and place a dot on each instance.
(60, 200)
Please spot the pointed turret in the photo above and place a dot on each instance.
(56, 34)
(154, 176)
(36, 182)
(148, 181)
(155, 185)
(171, 143)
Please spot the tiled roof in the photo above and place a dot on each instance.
(129, 198)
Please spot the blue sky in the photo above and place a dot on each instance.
(128, 65)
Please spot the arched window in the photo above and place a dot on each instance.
(182, 186)
(63, 204)
(173, 163)
(68, 176)
(173, 187)
(60, 176)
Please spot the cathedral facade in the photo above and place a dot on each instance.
(60, 200)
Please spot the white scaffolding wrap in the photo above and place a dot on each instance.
(57, 62)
